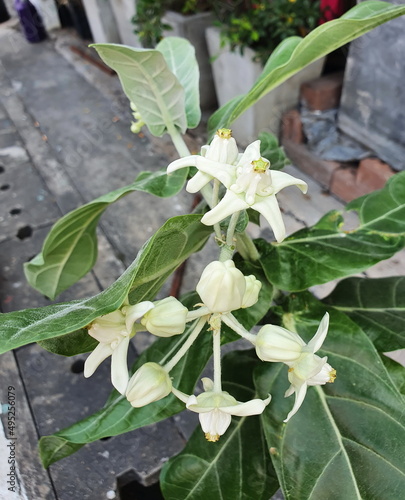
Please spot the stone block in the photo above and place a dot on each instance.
(373, 173)
(291, 127)
(344, 184)
(322, 93)
(321, 170)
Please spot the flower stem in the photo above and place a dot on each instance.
(197, 313)
(230, 320)
(246, 247)
(229, 247)
(216, 335)
(215, 194)
(186, 346)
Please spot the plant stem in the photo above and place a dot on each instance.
(229, 247)
(216, 336)
(186, 346)
(197, 313)
(248, 247)
(230, 320)
(215, 194)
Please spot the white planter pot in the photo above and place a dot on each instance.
(193, 29)
(235, 74)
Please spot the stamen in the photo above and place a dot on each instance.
(261, 165)
(332, 376)
(213, 438)
(224, 133)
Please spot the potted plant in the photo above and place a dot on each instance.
(156, 19)
(245, 36)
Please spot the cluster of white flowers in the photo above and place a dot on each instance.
(222, 289)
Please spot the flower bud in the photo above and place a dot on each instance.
(223, 148)
(251, 295)
(167, 318)
(274, 343)
(221, 287)
(148, 384)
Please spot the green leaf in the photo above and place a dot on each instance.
(270, 149)
(346, 441)
(180, 57)
(174, 242)
(118, 416)
(238, 466)
(70, 249)
(396, 372)
(325, 252)
(70, 344)
(377, 306)
(149, 84)
(295, 53)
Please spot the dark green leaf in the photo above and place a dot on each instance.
(396, 371)
(346, 441)
(295, 53)
(70, 344)
(174, 242)
(377, 306)
(238, 466)
(70, 249)
(325, 252)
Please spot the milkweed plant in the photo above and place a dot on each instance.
(312, 406)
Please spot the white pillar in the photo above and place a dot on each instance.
(102, 21)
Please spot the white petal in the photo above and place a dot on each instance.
(300, 393)
(215, 422)
(132, 313)
(270, 210)
(208, 384)
(281, 180)
(198, 182)
(316, 342)
(253, 407)
(229, 204)
(251, 153)
(182, 396)
(187, 161)
(224, 172)
(119, 368)
(289, 391)
(100, 353)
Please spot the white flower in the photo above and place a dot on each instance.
(251, 295)
(309, 369)
(113, 331)
(274, 343)
(218, 157)
(215, 409)
(149, 383)
(251, 184)
(222, 287)
(167, 318)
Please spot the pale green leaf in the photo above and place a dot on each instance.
(70, 249)
(180, 57)
(149, 84)
(295, 53)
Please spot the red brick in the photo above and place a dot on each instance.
(344, 184)
(291, 128)
(373, 173)
(322, 93)
(305, 160)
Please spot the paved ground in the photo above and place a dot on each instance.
(64, 140)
